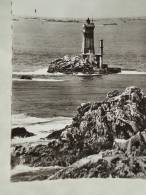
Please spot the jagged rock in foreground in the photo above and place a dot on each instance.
(115, 127)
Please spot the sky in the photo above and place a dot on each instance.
(80, 8)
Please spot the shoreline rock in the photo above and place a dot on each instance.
(115, 127)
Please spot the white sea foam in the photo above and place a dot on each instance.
(43, 71)
(131, 72)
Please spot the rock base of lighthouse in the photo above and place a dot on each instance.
(79, 64)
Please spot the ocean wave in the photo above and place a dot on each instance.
(43, 71)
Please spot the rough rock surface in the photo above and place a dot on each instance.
(116, 166)
(115, 127)
(69, 64)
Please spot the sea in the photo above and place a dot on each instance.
(49, 101)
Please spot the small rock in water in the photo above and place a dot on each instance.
(20, 132)
(26, 77)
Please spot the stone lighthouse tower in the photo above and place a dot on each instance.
(88, 37)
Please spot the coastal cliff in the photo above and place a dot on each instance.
(105, 139)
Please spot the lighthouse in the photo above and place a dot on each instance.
(88, 37)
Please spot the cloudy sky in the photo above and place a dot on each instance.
(80, 8)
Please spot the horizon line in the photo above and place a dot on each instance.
(80, 18)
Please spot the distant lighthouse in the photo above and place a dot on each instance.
(88, 61)
(88, 37)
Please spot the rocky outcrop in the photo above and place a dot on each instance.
(20, 132)
(114, 127)
(69, 65)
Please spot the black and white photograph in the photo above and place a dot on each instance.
(78, 105)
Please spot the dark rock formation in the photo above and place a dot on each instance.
(28, 77)
(20, 132)
(114, 127)
(69, 65)
(99, 169)
(55, 134)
